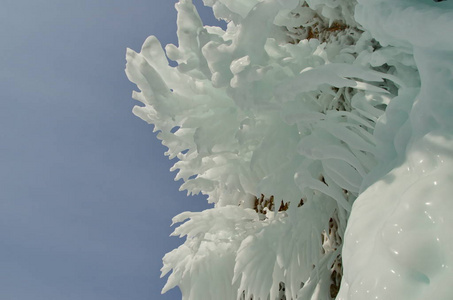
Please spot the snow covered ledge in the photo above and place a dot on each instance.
(398, 244)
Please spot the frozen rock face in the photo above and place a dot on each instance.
(283, 120)
(398, 243)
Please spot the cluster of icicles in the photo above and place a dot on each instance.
(282, 104)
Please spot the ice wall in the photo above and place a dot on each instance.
(398, 243)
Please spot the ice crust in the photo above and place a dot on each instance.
(344, 105)
(398, 243)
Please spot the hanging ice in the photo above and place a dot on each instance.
(287, 117)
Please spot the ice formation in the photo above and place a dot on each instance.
(398, 243)
(322, 131)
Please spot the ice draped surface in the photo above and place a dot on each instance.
(398, 243)
(299, 101)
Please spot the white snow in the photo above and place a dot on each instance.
(346, 105)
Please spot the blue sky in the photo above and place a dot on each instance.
(86, 196)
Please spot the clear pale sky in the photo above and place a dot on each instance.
(86, 196)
